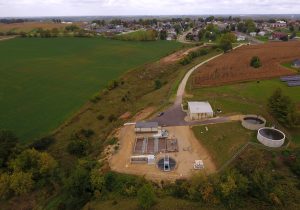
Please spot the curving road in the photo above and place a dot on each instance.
(174, 116)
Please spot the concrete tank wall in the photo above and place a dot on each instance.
(252, 126)
(270, 142)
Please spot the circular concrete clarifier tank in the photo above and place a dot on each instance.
(270, 137)
(161, 165)
(253, 122)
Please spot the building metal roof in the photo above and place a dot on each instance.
(199, 107)
(146, 124)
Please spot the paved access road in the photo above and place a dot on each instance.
(174, 116)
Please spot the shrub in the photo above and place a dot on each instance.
(79, 183)
(95, 99)
(4, 185)
(87, 133)
(186, 60)
(255, 62)
(112, 85)
(112, 118)
(226, 45)
(21, 183)
(43, 143)
(110, 181)
(146, 197)
(194, 54)
(39, 164)
(116, 147)
(203, 52)
(158, 84)
(100, 117)
(78, 147)
(112, 141)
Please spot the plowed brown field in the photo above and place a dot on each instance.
(235, 65)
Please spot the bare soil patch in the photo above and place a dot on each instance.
(235, 65)
(143, 114)
(189, 150)
(177, 55)
(125, 116)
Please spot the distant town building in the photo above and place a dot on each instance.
(199, 110)
(241, 38)
(262, 33)
(278, 24)
(296, 63)
(279, 36)
(252, 34)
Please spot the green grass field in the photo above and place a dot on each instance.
(140, 35)
(289, 65)
(246, 98)
(44, 81)
(223, 140)
(263, 38)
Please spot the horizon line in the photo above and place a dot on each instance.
(139, 15)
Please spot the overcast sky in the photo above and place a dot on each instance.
(145, 7)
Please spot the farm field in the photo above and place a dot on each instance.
(235, 66)
(223, 140)
(44, 81)
(29, 26)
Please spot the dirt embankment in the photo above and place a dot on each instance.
(235, 65)
(177, 55)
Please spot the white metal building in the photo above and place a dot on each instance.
(146, 127)
(149, 159)
(199, 110)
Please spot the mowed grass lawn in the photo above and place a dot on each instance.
(223, 140)
(44, 81)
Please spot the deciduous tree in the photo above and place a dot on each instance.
(146, 197)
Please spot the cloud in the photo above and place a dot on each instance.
(145, 7)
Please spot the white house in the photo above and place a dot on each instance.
(241, 38)
(279, 24)
(262, 33)
(146, 127)
(199, 110)
(252, 33)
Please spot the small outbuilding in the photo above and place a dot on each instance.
(296, 63)
(199, 110)
(146, 127)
